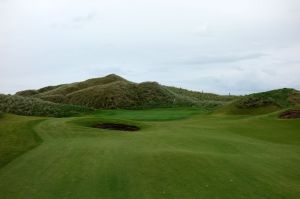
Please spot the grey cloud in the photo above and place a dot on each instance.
(213, 46)
(203, 60)
(84, 18)
(203, 30)
(76, 22)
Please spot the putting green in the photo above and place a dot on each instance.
(178, 153)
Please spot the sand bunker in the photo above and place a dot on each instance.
(120, 127)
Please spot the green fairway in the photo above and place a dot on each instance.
(179, 153)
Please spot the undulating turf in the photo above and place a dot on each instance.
(16, 136)
(178, 153)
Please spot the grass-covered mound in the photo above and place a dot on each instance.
(17, 136)
(59, 92)
(264, 102)
(36, 107)
(123, 94)
(113, 91)
(201, 96)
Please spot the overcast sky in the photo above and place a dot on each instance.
(221, 46)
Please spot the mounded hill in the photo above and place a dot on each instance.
(264, 102)
(200, 96)
(33, 106)
(113, 91)
(57, 93)
(126, 95)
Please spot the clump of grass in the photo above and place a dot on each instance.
(36, 107)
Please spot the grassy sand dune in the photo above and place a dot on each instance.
(264, 102)
(113, 91)
(36, 107)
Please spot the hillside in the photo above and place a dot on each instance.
(32, 106)
(264, 102)
(113, 91)
(57, 93)
(201, 96)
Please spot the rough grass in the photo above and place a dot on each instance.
(32, 106)
(65, 89)
(112, 92)
(178, 153)
(201, 96)
(265, 102)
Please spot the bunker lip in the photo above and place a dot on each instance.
(290, 114)
(116, 126)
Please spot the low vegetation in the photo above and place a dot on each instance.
(202, 96)
(123, 94)
(113, 92)
(290, 114)
(265, 102)
(36, 107)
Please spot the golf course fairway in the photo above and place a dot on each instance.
(178, 153)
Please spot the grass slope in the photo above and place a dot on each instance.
(17, 136)
(113, 91)
(265, 102)
(201, 156)
(201, 96)
(33, 106)
(122, 94)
